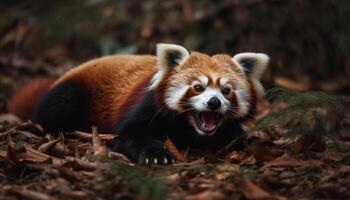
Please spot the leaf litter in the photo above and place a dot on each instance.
(80, 165)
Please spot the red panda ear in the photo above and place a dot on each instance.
(170, 55)
(254, 64)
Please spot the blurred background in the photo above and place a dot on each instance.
(308, 40)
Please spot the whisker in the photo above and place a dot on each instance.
(155, 115)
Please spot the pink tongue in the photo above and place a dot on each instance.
(208, 121)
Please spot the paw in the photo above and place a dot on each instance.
(155, 153)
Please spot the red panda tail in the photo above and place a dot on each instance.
(23, 102)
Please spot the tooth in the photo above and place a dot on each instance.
(165, 161)
(155, 160)
(146, 161)
(173, 161)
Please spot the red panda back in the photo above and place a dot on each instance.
(114, 84)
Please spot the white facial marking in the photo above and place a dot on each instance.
(195, 83)
(199, 102)
(204, 80)
(223, 81)
(174, 95)
(243, 105)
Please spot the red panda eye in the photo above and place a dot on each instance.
(226, 91)
(198, 88)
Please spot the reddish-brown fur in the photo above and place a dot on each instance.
(22, 103)
(109, 82)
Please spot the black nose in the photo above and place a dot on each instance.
(214, 103)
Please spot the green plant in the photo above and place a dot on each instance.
(311, 112)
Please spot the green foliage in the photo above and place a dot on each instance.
(141, 182)
(309, 112)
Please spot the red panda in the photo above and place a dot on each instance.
(194, 99)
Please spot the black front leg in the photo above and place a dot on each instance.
(144, 150)
(141, 134)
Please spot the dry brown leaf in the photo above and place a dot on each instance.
(174, 177)
(79, 164)
(206, 195)
(118, 156)
(192, 163)
(46, 147)
(83, 136)
(265, 151)
(70, 174)
(254, 192)
(287, 161)
(99, 148)
(3, 154)
(30, 155)
(31, 194)
(60, 150)
(225, 170)
(174, 151)
(7, 133)
(308, 142)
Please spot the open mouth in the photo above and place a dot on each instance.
(207, 122)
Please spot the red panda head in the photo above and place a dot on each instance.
(208, 90)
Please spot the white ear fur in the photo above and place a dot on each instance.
(254, 64)
(168, 56)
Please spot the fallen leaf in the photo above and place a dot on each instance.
(254, 192)
(264, 151)
(225, 170)
(31, 194)
(30, 155)
(118, 156)
(308, 142)
(83, 136)
(174, 151)
(192, 163)
(79, 164)
(46, 147)
(206, 195)
(287, 161)
(60, 150)
(3, 154)
(98, 147)
(70, 174)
